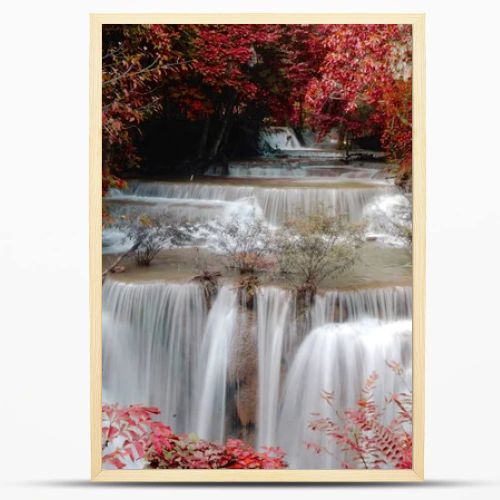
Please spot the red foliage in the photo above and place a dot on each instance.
(365, 84)
(131, 434)
(366, 441)
(126, 432)
(136, 61)
(189, 452)
(357, 77)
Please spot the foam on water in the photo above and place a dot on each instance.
(279, 138)
(314, 173)
(389, 218)
(205, 208)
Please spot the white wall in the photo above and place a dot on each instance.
(43, 248)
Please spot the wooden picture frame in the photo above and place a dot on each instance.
(415, 474)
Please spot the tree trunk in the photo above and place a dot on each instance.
(204, 138)
(224, 126)
(340, 138)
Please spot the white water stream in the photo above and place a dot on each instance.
(338, 358)
(162, 347)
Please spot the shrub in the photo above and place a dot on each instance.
(190, 452)
(130, 434)
(311, 248)
(149, 235)
(361, 434)
(246, 245)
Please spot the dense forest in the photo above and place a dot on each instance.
(177, 98)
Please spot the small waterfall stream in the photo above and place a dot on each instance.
(276, 336)
(213, 365)
(191, 200)
(338, 358)
(279, 138)
(152, 334)
(387, 304)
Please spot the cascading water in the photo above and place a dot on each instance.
(257, 374)
(162, 347)
(389, 218)
(331, 172)
(283, 140)
(151, 339)
(336, 358)
(210, 419)
(184, 208)
(278, 138)
(275, 203)
(388, 304)
(276, 335)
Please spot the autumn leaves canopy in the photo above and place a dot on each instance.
(354, 77)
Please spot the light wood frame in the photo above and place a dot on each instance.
(413, 475)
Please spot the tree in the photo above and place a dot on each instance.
(311, 248)
(135, 60)
(222, 76)
(365, 86)
(214, 74)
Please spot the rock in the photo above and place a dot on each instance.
(243, 368)
(246, 401)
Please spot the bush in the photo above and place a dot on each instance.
(361, 434)
(149, 235)
(311, 248)
(246, 245)
(130, 434)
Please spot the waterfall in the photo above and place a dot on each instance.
(320, 173)
(275, 336)
(182, 209)
(336, 358)
(162, 347)
(213, 366)
(278, 138)
(388, 303)
(254, 365)
(389, 217)
(275, 203)
(283, 140)
(151, 336)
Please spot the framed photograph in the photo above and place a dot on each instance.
(257, 247)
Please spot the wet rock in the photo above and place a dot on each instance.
(243, 368)
(246, 401)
